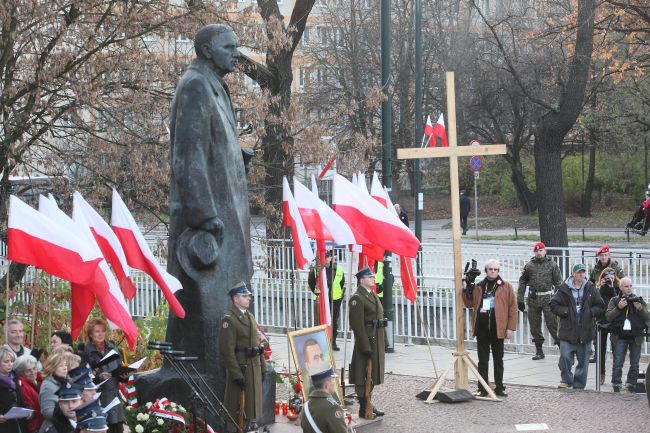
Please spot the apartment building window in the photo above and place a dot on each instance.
(323, 35)
(304, 41)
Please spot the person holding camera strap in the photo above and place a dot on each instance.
(609, 287)
(494, 319)
(369, 327)
(242, 357)
(628, 317)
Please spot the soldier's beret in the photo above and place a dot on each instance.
(538, 246)
(365, 272)
(603, 249)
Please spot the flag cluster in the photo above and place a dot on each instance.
(80, 249)
(366, 222)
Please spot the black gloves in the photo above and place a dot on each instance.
(239, 382)
(367, 353)
(521, 306)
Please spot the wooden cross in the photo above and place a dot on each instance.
(461, 360)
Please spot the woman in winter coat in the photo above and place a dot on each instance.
(608, 286)
(25, 370)
(9, 392)
(56, 372)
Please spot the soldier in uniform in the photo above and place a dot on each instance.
(336, 282)
(243, 357)
(367, 323)
(90, 418)
(322, 413)
(540, 274)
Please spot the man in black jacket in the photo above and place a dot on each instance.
(465, 207)
(577, 303)
(628, 317)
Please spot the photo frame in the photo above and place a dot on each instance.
(312, 345)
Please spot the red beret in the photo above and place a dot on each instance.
(538, 246)
(603, 249)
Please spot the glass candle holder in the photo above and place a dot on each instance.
(285, 407)
(277, 408)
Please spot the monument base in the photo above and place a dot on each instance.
(165, 382)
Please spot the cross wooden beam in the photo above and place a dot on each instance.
(461, 360)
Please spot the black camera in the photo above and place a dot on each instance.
(469, 275)
(632, 298)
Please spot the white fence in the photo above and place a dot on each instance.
(283, 300)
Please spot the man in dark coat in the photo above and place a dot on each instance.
(243, 357)
(465, 207)
(336, 283)
(577, 303)
(368, 325)
(209, 240)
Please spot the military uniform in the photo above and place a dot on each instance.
(367, 324)
(540, 275)
(598, 269)
(325, 412)
(238, 337)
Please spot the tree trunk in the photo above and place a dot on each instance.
(550, 194)
(585, 206)
(526, 198)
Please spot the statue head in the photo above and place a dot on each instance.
(218, 44)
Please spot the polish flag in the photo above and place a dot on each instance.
(291, 218)
(108, 243)
(409, 285)
(111, 301)
(139, 256)
(377, 190)
(34, 239)
(328, 166)
(428, 132)
(439, 131)
(372, 220)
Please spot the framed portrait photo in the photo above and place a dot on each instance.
(309, 347)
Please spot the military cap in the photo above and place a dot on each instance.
(538, 246)
(82, 377)
(579, 267)
(91, 417)
(365, 272)
(603, 249)
(321, 371)
(69, 392)
(239, 289)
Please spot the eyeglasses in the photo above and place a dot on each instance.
(493, 269)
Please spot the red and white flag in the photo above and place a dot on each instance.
(139, 256)
(108, 243)
(428, 132)
(440, 132)
(372, 220)
(377, 190)
(291, 218)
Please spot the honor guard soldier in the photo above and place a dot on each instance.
(368, 325)
(63, 416)
(243, 358)
(91, 418)
(541, 274)
(322, 414)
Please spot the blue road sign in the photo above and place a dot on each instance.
(476, 162)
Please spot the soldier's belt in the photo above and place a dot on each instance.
(251, 352)
(548, 292)
(381, 323)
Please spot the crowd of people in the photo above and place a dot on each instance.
(69, 391)
(573, 309)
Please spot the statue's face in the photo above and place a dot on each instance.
(223, 52)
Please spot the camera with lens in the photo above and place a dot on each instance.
(252, 352)
(469, 275)
(632, 298)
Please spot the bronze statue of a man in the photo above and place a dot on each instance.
(209, 239)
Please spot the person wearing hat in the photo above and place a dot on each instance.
(90, 417)
(69, 399)
(242, 357)
(603, 261)
(577, 303)
(541, 275)
(83, 378)
(322, 413)
(494, 319)
(368, 325)
(336, 283)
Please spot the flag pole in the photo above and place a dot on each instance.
(49, 310)
(7, 292)
(34, 302)
(350, 256)
(426, 328)
(286, 306)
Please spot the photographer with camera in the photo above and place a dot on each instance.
(628, 317)
(608, 285)
(540, 274)
(494, 318)
(242, 357)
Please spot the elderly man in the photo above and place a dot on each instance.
(243, 357)
(368, 325)
(577, 303)
(494, 319)
(540, 275)
(322, 413)
(403, 216)
(628, 317)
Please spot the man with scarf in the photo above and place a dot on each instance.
(494, 318)
(577, 303)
